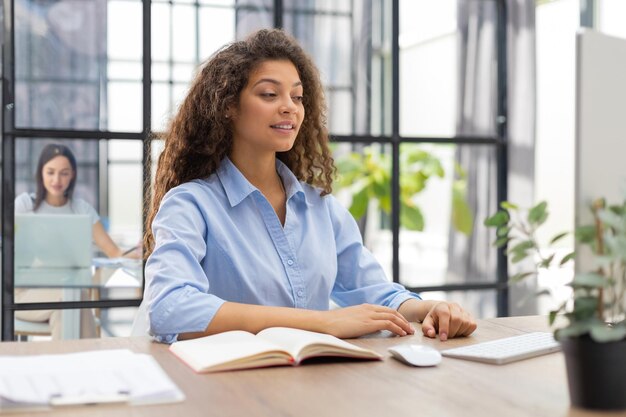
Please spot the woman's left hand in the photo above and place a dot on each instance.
(447, 319)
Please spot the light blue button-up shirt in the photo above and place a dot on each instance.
(219, 239)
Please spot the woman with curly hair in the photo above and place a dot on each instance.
(243, 233)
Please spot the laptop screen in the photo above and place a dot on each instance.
(53, 241)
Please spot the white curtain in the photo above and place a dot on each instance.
(473, 256)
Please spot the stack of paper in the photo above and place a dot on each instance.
(106, 376)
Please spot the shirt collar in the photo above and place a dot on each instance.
(237, 187)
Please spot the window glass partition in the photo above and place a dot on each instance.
(103, 75)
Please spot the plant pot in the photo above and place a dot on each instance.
(596, 373)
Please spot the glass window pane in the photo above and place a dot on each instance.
(161, 105)
(183, 72)
(555, 125)
(161, 32)
(350, 46)
(125, 106)
(125, 70)
(44, 325)
(53, 249)
(340, 115)
(329, 41)
(125, 203)
(217, 27)
(124, 30)
(218, 2)
(62, 54)
(117, 322)
(446, 193)
(184, 33)
(447, 89)
(157, 147)
(250, 19)
(161, 72)
(363, 186)
(54, 324)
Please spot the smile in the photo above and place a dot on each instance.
(286, 127)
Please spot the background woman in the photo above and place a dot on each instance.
(56, 179)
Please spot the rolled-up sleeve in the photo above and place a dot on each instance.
(177, 287)
(360, 278)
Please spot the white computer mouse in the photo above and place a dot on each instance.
(416, 355)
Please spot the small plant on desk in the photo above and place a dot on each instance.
(594, 336)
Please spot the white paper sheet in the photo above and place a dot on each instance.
(85, 377)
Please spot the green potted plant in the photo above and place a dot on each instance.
(367, 175)
(590, 326)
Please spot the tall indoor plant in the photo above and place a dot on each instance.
(594, 334)
(367, 175)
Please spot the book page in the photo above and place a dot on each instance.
(302, 344)
(229, 350)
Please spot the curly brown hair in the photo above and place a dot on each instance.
(200, 136)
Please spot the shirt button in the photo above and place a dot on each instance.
(300, 293)
(289, 262)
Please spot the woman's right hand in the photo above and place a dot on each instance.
(355, 321)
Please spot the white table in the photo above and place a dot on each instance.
(73, 280)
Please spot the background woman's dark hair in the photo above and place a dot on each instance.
(47, 153)
(199, 136)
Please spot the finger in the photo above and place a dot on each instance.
(388, 325)
(468, 325)
(428, 326)
(441, 313)
(457, 317)
(399, 321)
(382, 309)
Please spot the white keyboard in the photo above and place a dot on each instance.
(507, 350)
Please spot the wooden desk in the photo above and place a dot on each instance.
(534, 387)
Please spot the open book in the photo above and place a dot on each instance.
(270, 347)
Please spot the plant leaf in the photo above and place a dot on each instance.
(588, 279)
(574, 329)
(603, 333)
(499, 219)
(538, 214)
(522, 247)
(507, 205)
(501, 242)
(611, 219)
(545, 263)
(518, 257)
(552, 317)
(503, 231)
(585, 308)
(558, 237)
(411, 217)
(462, 218)
(585, 234)
(567, 258)
(359, 204)
(519, 277)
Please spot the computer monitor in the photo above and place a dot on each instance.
(600, 127)
(52, 245)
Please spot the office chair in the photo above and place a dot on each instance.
(23, 329)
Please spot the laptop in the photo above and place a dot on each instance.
(52, 249)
